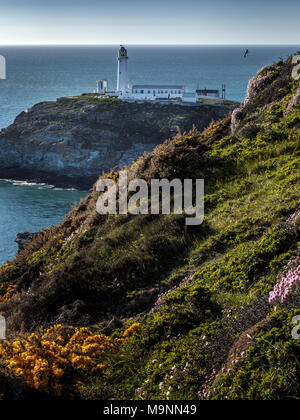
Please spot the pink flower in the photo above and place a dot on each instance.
(161, 297)
(234, 120)
(257, 84)
(293, 102)
(285, 285)
(293, 216)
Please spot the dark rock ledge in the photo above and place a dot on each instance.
(23, 239)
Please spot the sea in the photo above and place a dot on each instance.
(43, 73)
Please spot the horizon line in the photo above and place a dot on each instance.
(138, 44)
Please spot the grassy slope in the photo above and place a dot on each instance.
(107, 272)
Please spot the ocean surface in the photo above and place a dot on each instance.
(36, 74)
(29, 208)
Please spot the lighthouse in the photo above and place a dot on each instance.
(168, 93)
(122, 84)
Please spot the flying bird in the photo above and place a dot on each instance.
(246, 53)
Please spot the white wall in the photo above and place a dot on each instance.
(122, 81)
(157, 95)
(189, 98)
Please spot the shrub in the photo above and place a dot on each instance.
(48, 359)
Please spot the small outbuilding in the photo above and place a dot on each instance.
(208, 93)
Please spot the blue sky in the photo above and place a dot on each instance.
(149, 22)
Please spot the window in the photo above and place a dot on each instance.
(142, 91)
(149, 91)
(179, 91)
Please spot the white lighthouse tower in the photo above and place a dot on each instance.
(122, 83)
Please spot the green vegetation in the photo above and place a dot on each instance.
(212, 334)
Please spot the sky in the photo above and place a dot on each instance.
(149, 22)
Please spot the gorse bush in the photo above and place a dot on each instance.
(45, 359)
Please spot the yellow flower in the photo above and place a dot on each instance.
(43, 357)
(132, 330)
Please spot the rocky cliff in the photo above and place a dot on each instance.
(71, 141)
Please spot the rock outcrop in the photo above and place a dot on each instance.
(23, 239)
(70, 142)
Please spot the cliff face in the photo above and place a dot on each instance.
(71, 141)
(173, 311)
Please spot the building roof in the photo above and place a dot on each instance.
(207, 90)
(189, 94)
(158, 87)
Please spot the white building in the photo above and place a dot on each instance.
(148, 92)
(153, 92)
(102, 86)
(208, 93)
